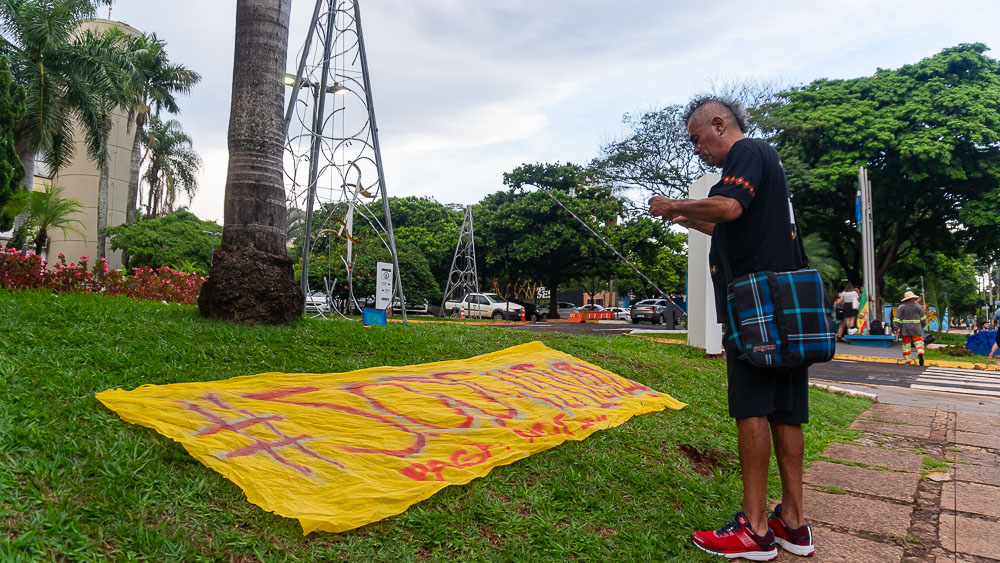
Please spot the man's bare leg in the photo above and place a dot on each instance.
(788, 447)
(754, 439)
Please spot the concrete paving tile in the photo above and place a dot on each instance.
(875, 482)
(973, 455)
(834, 546)
(908, 430)
(857, 513)
(977, 473)
(978, 422)
(971, 497)
(968, 536)
(976, 439)
(893, 459)
(899, 413)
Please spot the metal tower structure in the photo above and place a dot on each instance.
(463, 278)
(333, 162)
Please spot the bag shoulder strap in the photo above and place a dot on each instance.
(727, 268)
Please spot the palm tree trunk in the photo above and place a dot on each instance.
(133, 174)
(27, 152)
(103, 187)
(40, 242)
(150, 196)
(251, 278)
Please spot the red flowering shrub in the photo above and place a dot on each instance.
(26, 270)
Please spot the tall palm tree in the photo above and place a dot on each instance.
(251, 279)
(45, 211)
(38, 37)
(157, 80)
(111, 90)
(173, 164)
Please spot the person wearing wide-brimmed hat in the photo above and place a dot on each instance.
(911, 319)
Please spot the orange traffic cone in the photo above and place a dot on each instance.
(522, 314)
(461, 315)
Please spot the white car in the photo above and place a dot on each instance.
(318, 302)
(621, 313)
(562, 308)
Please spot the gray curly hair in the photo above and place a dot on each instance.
(735, 108)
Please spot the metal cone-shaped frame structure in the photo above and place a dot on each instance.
(333, 163)
(463, 278)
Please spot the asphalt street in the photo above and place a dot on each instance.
(967, 390)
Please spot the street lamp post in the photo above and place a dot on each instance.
(211, 257)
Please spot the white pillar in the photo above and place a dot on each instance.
(704, 331)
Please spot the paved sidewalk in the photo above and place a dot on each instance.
(873, 500)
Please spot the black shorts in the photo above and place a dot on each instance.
(780, 394)
(850, 311)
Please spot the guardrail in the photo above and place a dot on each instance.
(583, 316)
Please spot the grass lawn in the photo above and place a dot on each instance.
(78, 483)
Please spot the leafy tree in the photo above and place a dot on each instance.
(928, 134)
(251, 280)
(44, 211)
(12, 99)
(524, 233)
(47, 58)
(421, 225)
(948, 279)
(155, 82)
(653, 158)
(174, 240)
(173, 164)
(655, 250)
(430, 227)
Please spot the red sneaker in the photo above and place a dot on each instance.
(736, 539)
(798, 541)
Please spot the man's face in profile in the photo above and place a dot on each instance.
(705, 140)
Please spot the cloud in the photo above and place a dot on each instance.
(466, 90)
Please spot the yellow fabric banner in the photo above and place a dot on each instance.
(341, 450)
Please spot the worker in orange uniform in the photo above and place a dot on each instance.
(911, 318)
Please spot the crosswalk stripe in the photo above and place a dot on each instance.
(950, 381)
(962, 371)
(962, 377)
(957, 390)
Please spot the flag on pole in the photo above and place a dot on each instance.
(863, 312)
(857, 210)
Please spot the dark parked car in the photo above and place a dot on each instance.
(656, 311)
(530, 309)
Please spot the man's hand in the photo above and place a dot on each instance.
(660, 206)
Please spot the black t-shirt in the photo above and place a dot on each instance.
(763, 237)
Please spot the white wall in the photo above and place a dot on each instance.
(704, 331)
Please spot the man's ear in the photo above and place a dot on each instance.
(719, 125)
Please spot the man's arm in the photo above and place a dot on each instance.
(703, 226)
(715, 209)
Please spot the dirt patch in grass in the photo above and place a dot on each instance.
(703, 462)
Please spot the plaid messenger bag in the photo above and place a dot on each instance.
(780, 319)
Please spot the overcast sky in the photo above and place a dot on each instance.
(465, 90)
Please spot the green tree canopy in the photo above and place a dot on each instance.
(523, 233)
(927, 132)
(44, 212)
(12, 99)
(653, 158)
(657, 251)
(170, 240)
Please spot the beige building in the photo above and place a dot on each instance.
(80, 179)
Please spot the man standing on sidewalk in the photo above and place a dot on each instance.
(748, 213)
(911, 319)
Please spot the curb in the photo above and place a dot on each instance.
(842, 391)
(935, 363)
